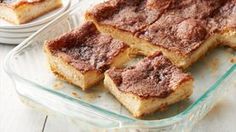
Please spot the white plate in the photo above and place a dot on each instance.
(45, 18)
(11, 40)
(15, 35)
(23, 30)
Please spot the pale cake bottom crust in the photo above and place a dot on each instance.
(146, 48)
(27, 12)
(142, 106)
(66, 72)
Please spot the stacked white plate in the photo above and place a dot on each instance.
(15, 34)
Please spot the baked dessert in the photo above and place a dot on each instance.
(224, 22)
(182, 30)
(23, 11)
(82, 55)
(150, 85)
(128, 15)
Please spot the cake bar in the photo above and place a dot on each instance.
(182, 30)
(150, 85)
(84, 54)
(23, 11)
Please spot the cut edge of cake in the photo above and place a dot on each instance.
(228, 38)
(139, 106)
(146, 48)
(64, 71)
(27, 11)
(60, 61)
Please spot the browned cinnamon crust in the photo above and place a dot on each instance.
(129, 15)
(150, 85)
(224, 18)
(154, 76)
(185, 27)
(182, 30)
(81, 56)
(87, 49)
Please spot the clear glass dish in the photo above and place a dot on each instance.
(27, 65)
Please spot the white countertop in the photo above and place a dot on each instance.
(15, 116)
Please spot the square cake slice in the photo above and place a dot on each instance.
(23, 11)
(150, 85)
(84, 54)
(182, 30)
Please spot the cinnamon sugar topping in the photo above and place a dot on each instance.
(154, 76)
(87, 49)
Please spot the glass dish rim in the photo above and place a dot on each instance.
(104, 112)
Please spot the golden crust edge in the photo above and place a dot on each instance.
(182, 61)
(228, 38)
(86, 78)
(141, 106)
(82, 77)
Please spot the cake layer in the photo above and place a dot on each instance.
(183, 31)
(23, 11)
(87, 52)
(149, 85)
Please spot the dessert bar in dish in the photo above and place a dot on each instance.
(84, 54)
(150, 85)
(172, 34)
(23, 11)
(182, 30)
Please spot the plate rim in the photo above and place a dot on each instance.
(12, 41)
(15, 35)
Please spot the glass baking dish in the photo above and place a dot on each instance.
(26, 64)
